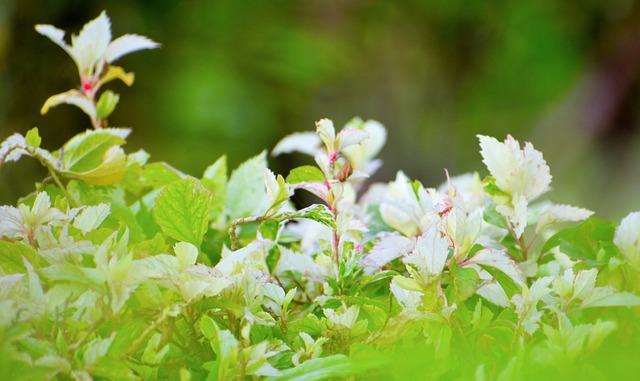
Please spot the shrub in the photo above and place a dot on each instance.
(116, 267)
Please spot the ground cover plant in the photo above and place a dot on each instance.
(117, 267)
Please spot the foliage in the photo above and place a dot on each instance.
(121, 268)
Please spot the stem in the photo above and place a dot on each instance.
(138, 341)
(91, 330)
(234, 225)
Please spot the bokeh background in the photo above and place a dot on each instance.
(234, 77)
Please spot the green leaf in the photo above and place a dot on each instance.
(509, 286)
(317, 369)
(182, 210)
(156, 175)
(376, 316)
(95, 156)
(106, 104)
(246, 193)
(32, 138)
(318, 212)
(272, 258)
(223, 344)
(11, 254)
(269, 229)
(492, 216)
(309, 324)
(585, 241)
(215, 179)
(465, 280)
(305, 174)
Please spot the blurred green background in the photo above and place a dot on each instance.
(236, 76)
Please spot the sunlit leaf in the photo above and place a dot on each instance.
(182, 210)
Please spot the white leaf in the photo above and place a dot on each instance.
(517, 214)
(327, 133)
(187, 254)
(627, 238)
(517, 172)
(11, 223)
(56, 35)
(303, 142)
(90, 44)
(41, 212)
(388, 248)
(361, 156)
(12, 148)
(246, 194)
(91, 217)
(461, 229)
(274, 292)
(499, 260)
(348, 137)
(584, 283)
(126, 44)
(406, 298)
(271, 185)
(431, 251)
(561, 213)
(494, 293)
(607, 297)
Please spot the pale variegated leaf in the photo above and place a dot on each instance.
(516, 171)
(91, 217)
(500, 260)
(388, 248)
(126, 44)
(561, 213)
(627, 238)
(431, 252)
(303, 142)
(327, 133)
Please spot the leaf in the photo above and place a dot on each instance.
(305, 174)
(71, 97)
(327, 133)
(627, 238)
(608, 297)
(11, 254)
(499, 260)
(560, 213)
(278, 192)
(585, 241)
(106, 104)
(215, 179)
(304, 142)
(187, 254)
(388, 248)
(431, 252)
(519, 172)
(317, 369)
(246, 193)
(348, 137)
(223, 344)
(95, 156)
(91, 217)
(156, 175)
(466, 282)
(126, 44)
(491, 216)
(318, 212)
(269, 229)
(182, 210)
(32, 138)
